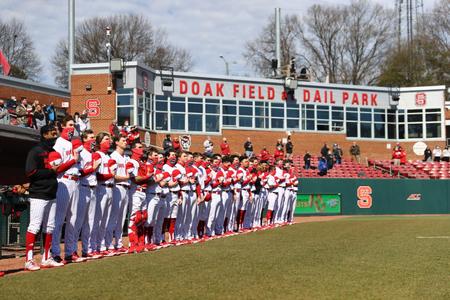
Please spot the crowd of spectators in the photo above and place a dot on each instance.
(437, 154)
(33, 114)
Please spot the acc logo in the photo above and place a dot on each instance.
(93, 107)
(364, 194)
(421, 99)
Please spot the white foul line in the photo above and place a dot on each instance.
(433, 237)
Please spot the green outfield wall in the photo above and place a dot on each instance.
(331, 196)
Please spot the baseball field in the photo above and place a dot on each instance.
(355, 257)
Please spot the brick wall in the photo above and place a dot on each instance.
(7, 91)
(80, 95)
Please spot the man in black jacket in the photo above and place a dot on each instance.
(41, 166)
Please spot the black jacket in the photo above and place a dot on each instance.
(289, 147)
(43, 183)
(248, 146)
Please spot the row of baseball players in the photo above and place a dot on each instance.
(173, 199)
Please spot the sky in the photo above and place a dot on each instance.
(206, 28)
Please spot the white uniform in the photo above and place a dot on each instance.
(212, 226)
(119, 207)
(86, 204)
(278, 213)
(66, 200)
(104, 201)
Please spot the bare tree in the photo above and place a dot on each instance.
(260, 52)
(18, 48)
(132, 38)
(322, 38)
(343, 44)
(368, 30)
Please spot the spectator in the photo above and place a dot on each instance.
(402, 156)
(307, 160)
(51, 113)
(322, 166)
(330, 160)
(125, 128)
(427, 154)
(38, 118)
(167, 144)
(264, 155)
(176, 144)
(324, 150)
(209, 147)
(355, 152)
(84, 122)
(279, 153)
(289, 148)
(437, 153)
(279, 143)
(225, 147)
(114, 129)
(30, 111)
(446, 154)
(22, 113)
(397, 155)
(248, 147)
(4, 114)
(76, 119)
(337, 153)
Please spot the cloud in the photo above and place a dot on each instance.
(207, 29)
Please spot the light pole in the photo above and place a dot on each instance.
(227, 69)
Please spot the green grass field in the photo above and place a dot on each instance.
(361, 257)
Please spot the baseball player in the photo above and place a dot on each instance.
(184, 207)
(280, 176)
(140, 174)
(272, 188)
(226, 195)
(217, 178)
(205, 199)
(41, 168)
(158, 194)
(173, 200)
(191, 222)
(67, 195)
(119, 207)
(89, 164)
(245, 205)
(105, 179)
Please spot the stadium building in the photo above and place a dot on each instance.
(199, 105)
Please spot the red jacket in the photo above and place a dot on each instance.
(278, 154)
(264, 155)
(176, 146)
(225, 149)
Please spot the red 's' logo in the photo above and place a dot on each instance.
(93, 107)
(421, 99)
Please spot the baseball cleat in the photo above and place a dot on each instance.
(31, 265)
(50, 263)
(122, 250)
(74, 258)
(58, 259)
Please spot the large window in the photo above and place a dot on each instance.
(323, 118)
(212, 116)
(161, 113)
(229, 113)
(352, 121)
(245, 114)
(125, 104)
(261, 114)
(365, 125)
(277, 115)
(415, 124)
(433, 122)
(195, 114)
(292, 115)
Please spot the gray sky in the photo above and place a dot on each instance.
(207, 29)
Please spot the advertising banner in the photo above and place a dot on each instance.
(311, 204)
